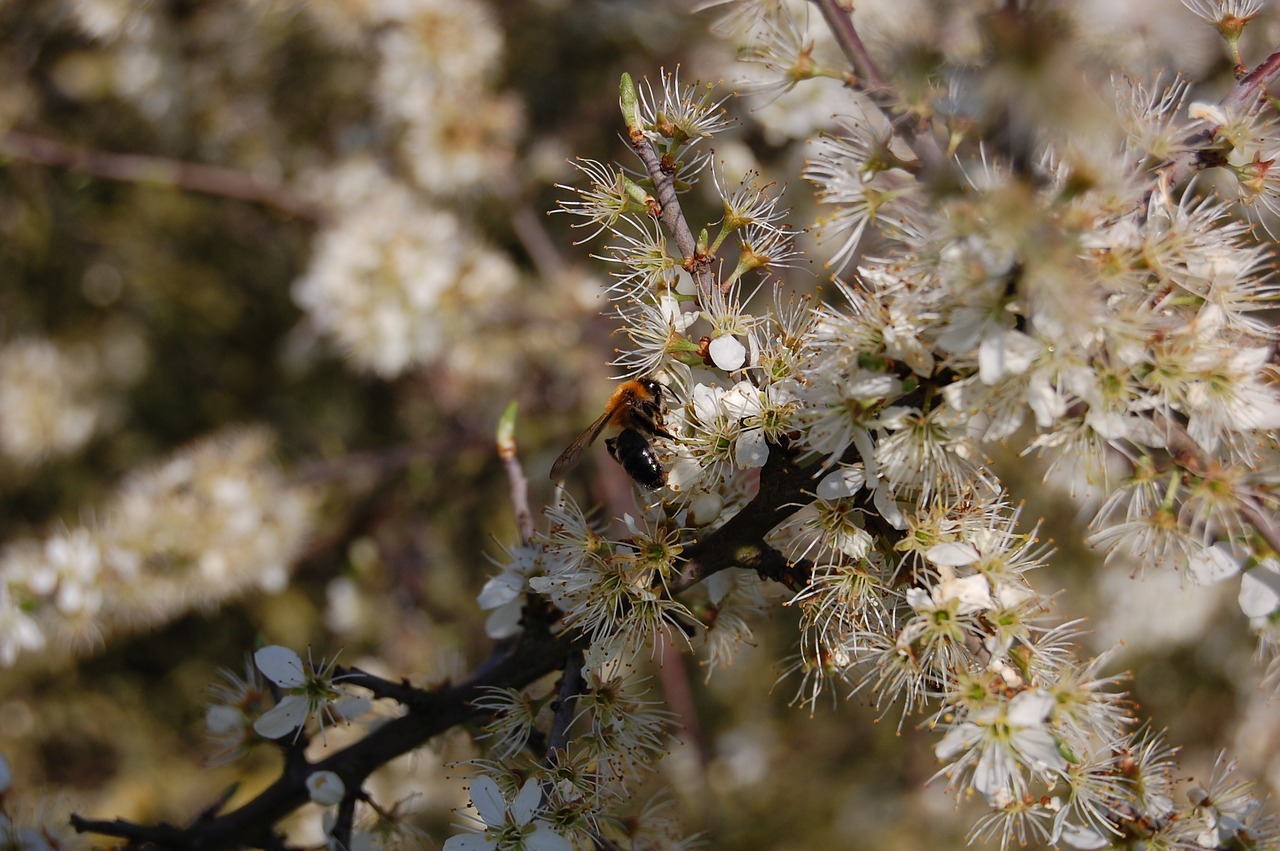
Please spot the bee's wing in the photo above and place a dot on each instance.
(573, 452)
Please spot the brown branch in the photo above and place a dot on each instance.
(672, 216)
(572, 684)
(918, 138)
(740, 541)
(158, 171)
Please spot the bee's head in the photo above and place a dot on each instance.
(653, 387)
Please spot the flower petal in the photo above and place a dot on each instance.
(526, 802)
(544, 838)
(1260, 589)
(280, 665)
(843, 482)
(727, 353)
(283, 718)
(1212, 564)
(487, 798)
(953, 554)
(751, 450)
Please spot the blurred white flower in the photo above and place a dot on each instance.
(51, 398)
(1260, 589)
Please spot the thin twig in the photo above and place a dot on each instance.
(158, 171)
(672, 216)
(918, 139)
(519, 485)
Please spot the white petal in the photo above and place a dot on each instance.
(727, 353)
(544, 838)
(685, 473)
(469, 842)
(1030, 708)
(669, 307)
(855, 543)
(719, 585)
(742, 400)
(957, 739)
(527, 801)
(500, 590)
(1260, 589)
(283, 718)
(706, 402)
(920, 599)
(1083, 837)
(952, 554)
(1212, 564)
(633, 526)
(973, 593)
(751, 451)
(488, 801)
(704, 508)
(842, 483)
(1044, 399)
(990, 359)
(351, 706)
(991, 776)
(281, 665)
(220, 718)
(888, 508)
(504, 621)
(1039, 749)
(1208, 112)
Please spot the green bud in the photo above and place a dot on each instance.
(629, 100)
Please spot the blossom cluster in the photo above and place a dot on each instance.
(1062, 291)
(51, 398)
(1007, 267)
(212, 522)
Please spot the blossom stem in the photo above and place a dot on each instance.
(672, 216)
(519, 485)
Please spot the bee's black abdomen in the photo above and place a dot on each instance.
(633, 452)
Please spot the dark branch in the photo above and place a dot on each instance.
(740, 541)
(430, 713)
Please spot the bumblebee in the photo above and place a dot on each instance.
(635, 408)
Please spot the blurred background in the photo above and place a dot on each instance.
(311, 240)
